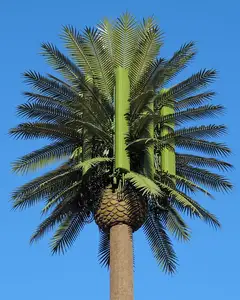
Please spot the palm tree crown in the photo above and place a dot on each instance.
(76, 112)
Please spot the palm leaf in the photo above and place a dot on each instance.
(143, 184)
(104, 249)
(210, 148)
(214, 181)
(160, 244)
(200, 161)
(67, 232)
(194, 101)
(124, 41)
(42, 157)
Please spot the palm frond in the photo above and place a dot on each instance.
(148, 45)
(44, 156)
(101, 65)
(203, 131)
(49, 87)
(160, 244)
(45, 130)
(59, 214)
(210, 148)
(188, 86)
(175, 224)
(174, 66)
(143, 184)
(76, 45)
(191, 114)
(68, 231)
(193, 101)
(124, 40)
(200, 161)
(140, 103)
(45, 112)
(104, 249)
(198, 212)
(214, 181)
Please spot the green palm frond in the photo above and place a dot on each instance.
(49, 87)
(148, 45)
(64, 65)
(140, 103)
(47, 100)
(194, 101)
(45, 130)
(160, 244)
(43, 112)
(143, 184)
(106, 34)
(101, 65)
(44, 186)
(104, 249)
(201, 176)
(61, 195)
(179, 197)
(124, 40)
(182, 181)
(191, 114)
(67, 232)
(189, 86)
(174, 66)
(210, 148)
(175, 224)
(198, 212)
(200, 161)
(59, 214)
(203, 131)
(76, 45)
(44, 156)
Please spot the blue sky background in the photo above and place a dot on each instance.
(209, 264)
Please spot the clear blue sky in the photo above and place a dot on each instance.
(209, 264)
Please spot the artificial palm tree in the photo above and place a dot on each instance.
(115, 124)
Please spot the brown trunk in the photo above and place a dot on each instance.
(121, 263)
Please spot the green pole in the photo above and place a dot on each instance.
(149, 168)
(122, 107)
(168, 159)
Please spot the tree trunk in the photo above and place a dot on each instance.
(121, 263)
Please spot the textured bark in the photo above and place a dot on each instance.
(121, 263)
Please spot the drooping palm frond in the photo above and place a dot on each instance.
(175, 224)
(104, 249)
(198, 212)
(201, 176)
(68, 231)
(160, 243)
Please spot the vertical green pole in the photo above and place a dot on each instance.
(122, 107)
(168, 159)
(149, 169)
